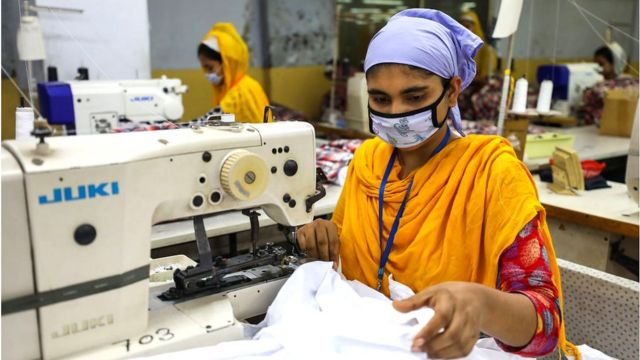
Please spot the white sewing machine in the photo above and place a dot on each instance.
(569, 81)
(76, 227)
(96, 106)
(632, 179)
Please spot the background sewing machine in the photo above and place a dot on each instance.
(95, 106)
(77, 226)
(569, 81)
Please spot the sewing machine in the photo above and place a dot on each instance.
(76, 227)
(89, 107)
(631, 175)
(569, 81)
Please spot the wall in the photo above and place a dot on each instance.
(300, 41)
(537, 29)
(300, 88)
(10, 101)
(177, 28)
(10, 22)
(112, 43)
(300, 32)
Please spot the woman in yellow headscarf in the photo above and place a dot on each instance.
(486, 59)
(224, 57)
(454, 217)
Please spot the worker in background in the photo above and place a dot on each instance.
(456, 218)
(224, 57)
(486, 62)
(486, 59)
(612, 59)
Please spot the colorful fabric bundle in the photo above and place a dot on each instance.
(133, 126)
(593, 98)
(335, 155)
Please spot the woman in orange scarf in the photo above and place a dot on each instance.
(455, 218)
(224, 57)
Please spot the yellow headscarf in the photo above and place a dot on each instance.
(486, 57)
(467, 205)
(238, 93)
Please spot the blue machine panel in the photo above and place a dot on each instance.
(559, 74)
(56, 103)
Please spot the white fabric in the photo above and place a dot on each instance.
(589, 353)
(619, 57)
(320, 315)
(212, 43)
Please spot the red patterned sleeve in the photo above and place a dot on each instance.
(524, 269)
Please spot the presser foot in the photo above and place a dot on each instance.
(269, 263)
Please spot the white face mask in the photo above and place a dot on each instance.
(214, 78)
(407, 129)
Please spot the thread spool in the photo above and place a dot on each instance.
(24, 122)
(544, 97)
(520, 96)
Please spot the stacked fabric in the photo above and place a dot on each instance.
(487, 127)
(335, 156)
(593, 97)
(134, 126)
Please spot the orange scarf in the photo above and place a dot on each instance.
(467, 205)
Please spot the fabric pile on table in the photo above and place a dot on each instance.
(319, 315)
(593, 97)
(135, 126)
(488, 127)
(335, 156)
(283, 113)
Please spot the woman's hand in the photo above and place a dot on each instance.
(320, 240)
(455, 326)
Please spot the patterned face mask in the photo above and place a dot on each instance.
(214, 78)
(410, 128)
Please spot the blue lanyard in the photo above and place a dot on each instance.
(384, 257)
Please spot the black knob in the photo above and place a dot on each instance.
(206, 156)
(85, 234)
(286, 198)
(274, 169)
(292, 203)
(290, 167)
(215, 196)
(197, 201)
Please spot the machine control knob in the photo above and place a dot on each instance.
(290, 167)
(85, 234)
(244, 175)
